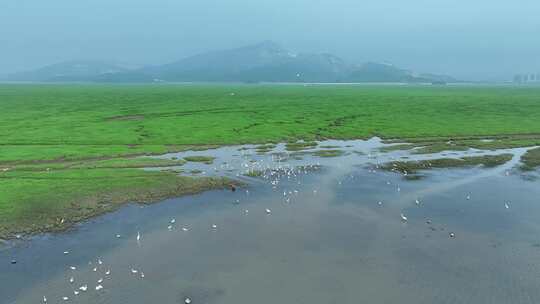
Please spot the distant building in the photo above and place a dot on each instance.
(527, 78)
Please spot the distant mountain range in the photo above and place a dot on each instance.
(69, 71)
(263, 62)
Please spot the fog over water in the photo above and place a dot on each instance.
(474, 40)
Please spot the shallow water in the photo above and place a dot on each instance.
(326, 240)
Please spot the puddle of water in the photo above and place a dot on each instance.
(324, 238)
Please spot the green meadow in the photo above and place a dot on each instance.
(62, 145)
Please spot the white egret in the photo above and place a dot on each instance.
(403, 217)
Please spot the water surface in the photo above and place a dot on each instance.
(334, 234)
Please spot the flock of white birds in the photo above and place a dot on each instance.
(271, 173)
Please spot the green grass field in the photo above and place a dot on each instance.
(75, 121)
(51, 126)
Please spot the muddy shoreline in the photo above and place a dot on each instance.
(110, 202)
(101, 203)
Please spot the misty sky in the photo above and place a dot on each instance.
(469, 39)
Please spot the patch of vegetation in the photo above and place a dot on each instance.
(115, 163)
(137, 162)
(32, 202)
(264, 148)
(328, 153)
(397, 147)
(300, 145)
(531, 160)
(329, 147)
(254, 173)
(178, 171)
(436, 145)
(195, 171)
(411, 167)
(200, 159)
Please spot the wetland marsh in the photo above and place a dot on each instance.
(442, 207)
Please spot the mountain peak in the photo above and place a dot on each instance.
(268, 45)
(265, 48)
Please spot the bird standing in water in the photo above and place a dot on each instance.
(403, 217)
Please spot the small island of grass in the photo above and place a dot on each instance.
(200, 159)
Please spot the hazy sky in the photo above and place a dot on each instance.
(469, 39)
